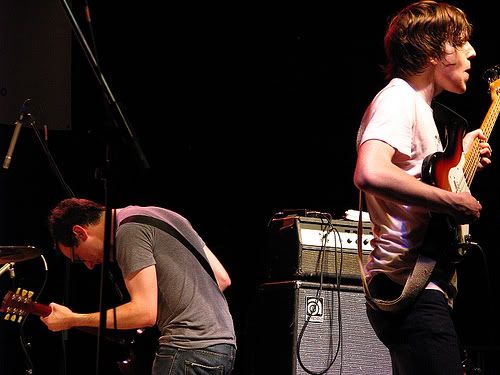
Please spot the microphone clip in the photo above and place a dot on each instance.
(8, 267)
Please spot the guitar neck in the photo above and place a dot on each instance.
(40, 309)
(472, 157)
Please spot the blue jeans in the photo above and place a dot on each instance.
(212, 360)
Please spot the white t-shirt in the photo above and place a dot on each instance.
(401, 118)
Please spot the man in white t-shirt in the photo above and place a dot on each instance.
(428, 52)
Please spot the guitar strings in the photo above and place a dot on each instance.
(471, 163)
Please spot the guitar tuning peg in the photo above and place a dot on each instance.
(30, 294)
(24, 293)
(18, 291)
(20, 318)
(7, 316)
(13, 318)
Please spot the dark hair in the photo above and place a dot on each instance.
(70, 212)
(419, 32)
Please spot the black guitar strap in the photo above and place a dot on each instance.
(166, 227)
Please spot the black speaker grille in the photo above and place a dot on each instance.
(281, 313)
(362, 352)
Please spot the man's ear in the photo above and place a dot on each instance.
(80, 233)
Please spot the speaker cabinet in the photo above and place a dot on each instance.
(303, 328)
(35, 62)
(301, 247)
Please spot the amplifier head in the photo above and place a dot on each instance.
(310, 247)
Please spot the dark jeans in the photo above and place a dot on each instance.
(422, 338)
(212, 360)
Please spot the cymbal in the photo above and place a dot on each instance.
(18, 253)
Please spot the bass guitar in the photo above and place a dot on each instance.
(137, 347)
(454, 170)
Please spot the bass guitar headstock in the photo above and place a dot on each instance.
(492, 76)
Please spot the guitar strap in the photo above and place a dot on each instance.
(415, 283)
(166, 227)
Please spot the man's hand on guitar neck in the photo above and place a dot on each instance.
(484, 147)
(60, 318)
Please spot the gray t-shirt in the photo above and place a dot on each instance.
(192, 312)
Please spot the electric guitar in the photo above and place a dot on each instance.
(17, 306)
(454, 170)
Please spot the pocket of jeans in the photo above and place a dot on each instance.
(162, 363)
(164, 356)
(193, 368)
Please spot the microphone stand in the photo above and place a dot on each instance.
(104, 85)
(120, 121)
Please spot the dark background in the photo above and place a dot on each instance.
(242, 109)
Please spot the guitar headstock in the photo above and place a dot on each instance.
(492, 76)
(17, 305)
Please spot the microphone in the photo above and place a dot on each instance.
(15, 135)
(12, 272)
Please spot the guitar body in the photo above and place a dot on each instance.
(444, 238)
(445, 169)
